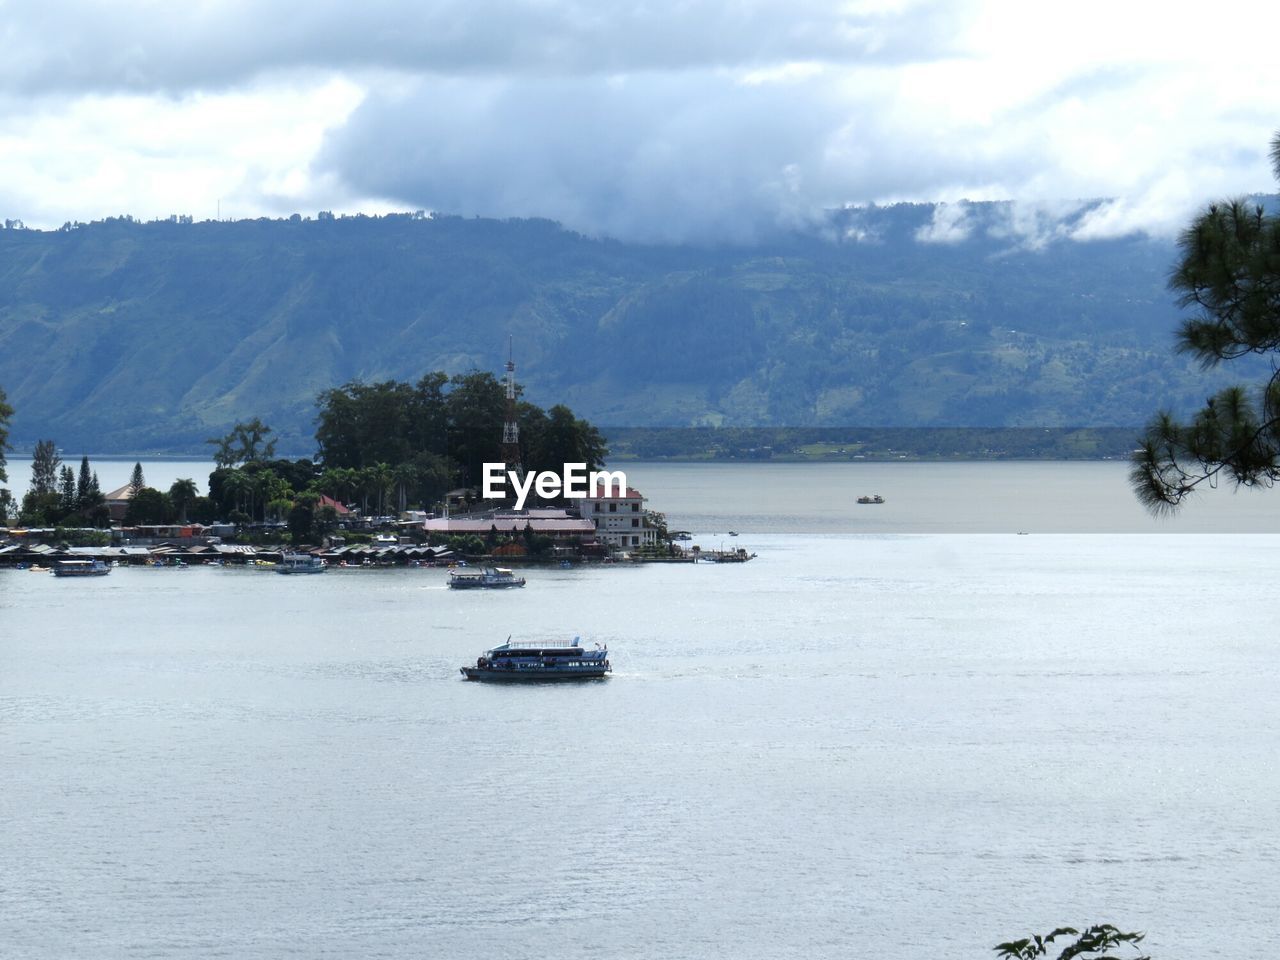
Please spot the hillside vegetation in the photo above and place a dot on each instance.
(121, 335)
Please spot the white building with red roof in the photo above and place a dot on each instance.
(619, 517)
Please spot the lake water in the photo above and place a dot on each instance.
(966, 497)
(865, 743)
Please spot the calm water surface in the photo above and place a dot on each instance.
(857, 745)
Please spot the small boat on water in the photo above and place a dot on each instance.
(300, 563)
(81, 568)
(539, 662)
(876, 498)
(487, 578)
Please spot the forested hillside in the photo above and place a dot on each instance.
(125, 336)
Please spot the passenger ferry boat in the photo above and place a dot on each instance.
(300, 563)
(81, 568)
(534, 662)
(488, 578)
(876, 498)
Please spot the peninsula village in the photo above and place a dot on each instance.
(405, 476)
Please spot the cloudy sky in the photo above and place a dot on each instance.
(645, 119)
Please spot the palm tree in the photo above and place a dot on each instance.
(237, 483)
(182, 493)
(405, 476)
(383, 478)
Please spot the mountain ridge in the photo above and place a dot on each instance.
(122, 335)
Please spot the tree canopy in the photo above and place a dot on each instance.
(246, 443)
(443, 428)
(6, 412)
(1229, 274)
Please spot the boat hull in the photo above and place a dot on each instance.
(551, 675)
(96, 569)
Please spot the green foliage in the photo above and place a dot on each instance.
(80, 537)
(1093, 943)
(40, 509)
(391, 442)
(1229, 274)
(203, 510)
(44, 467)
(148, 507)
(182, 494)
(301, 519)
(137, 480)
(246, 443)
(89, 497)
(467, 545)
(6, 413)
(67, 490)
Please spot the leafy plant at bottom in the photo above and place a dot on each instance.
(1093, 943)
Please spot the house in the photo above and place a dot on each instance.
(338, 508)
(117, 502)
(618, 518)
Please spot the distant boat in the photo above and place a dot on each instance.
(81, 568)
(487, 578)
(300, 563)
(876, 498)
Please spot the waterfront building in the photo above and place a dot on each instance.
(559, 525)
(618, 517)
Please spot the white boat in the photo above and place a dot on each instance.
(488, 578)
(300, 563)
(81, 568)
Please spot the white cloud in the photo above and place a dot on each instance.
(950, 224)
(662, 121)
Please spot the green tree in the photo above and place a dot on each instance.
(1091, 943)
(302, 517)
(44, 467)
(1229, 274)
(40, 509)
(246, 443)
(204, 510)
(6, 412)
(66, 492)
(324, 521)
(477, 408)
(137, 481)
(341, 483)
(181, 494)
(236, 486)
(88, 492)
(148, 507)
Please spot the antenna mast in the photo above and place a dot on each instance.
(510, 428)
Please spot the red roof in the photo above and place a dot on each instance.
(338, 508)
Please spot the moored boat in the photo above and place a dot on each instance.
(300, 563)
(81, 568)
(487, 578)
(539, 662)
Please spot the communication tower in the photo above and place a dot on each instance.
(510, 428)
